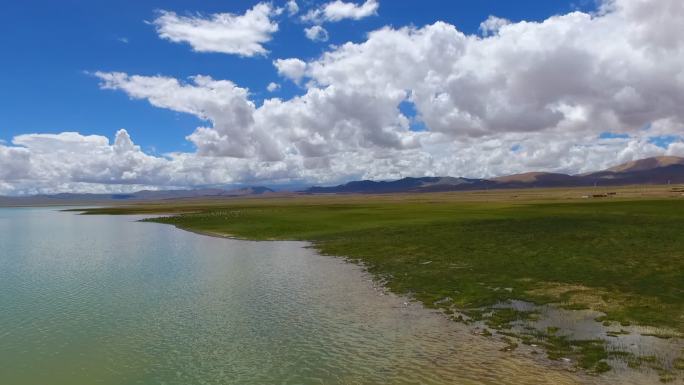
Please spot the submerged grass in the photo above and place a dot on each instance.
(622, 257)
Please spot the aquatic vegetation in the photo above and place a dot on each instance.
(510, 344)
(679, 363)
(503, 318)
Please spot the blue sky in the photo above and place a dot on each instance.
(49, 46)
(110, 96)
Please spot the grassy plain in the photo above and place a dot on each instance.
(622, 254)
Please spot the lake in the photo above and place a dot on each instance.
(108, 300)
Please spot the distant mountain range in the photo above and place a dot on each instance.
(424, 184)
(140, 196)
(657, 170)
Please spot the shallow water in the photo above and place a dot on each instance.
(658, 344)
(107, 300)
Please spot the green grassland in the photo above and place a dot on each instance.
(465, 252)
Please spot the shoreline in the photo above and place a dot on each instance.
(495, 337)
(405, 260)
(561, 367)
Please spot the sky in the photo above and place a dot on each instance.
(103, 96)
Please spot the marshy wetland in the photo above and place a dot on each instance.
(593, 285)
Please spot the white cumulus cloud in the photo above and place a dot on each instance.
(339, 10)
(272, 87)
(316, 33)
(492, 25)
(292, 68)
(292, 8)
(228, 33)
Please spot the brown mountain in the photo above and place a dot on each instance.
(647, 164)
(657, 170)
(536, 179)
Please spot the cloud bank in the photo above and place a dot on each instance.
(522, 96)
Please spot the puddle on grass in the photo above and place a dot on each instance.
(637, 354)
